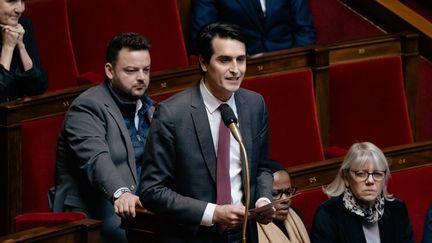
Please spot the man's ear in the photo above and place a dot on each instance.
(203, 63)
(109, 71)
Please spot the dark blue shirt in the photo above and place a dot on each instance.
(138, 137)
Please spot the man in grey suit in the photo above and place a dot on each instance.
(179, 169)
(101, 145)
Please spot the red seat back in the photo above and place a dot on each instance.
(293, 123)
(335, 22)
(367, 103)
(39, 143)
(425, 83)
(307, 203)
(54, 43)
(414, 187)
(94, 23)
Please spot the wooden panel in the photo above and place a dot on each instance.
(395, 17)
(10, 176)
(321, 173)
(362, 50)
(304, 177)
(318, 57)
(141, 228)
(277, 61)
(82, 231)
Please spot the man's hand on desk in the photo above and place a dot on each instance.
(125, 205)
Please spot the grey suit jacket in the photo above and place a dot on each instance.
(95, 157)
(179, 170)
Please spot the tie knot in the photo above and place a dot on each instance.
(223, 106)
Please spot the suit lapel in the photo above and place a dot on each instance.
(254, 12)
(352, 227)
(202, 128)
(113, 109)
(244, 125)
(385, 226)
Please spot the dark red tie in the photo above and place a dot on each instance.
(223, 164)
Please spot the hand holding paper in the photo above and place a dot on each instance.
(268, 209)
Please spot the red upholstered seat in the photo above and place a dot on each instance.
(38, 161)
(47, 219)
(367, 103)
(335, 22)
(425, 82)
(414, 187)
(293, 124)
(94, 23)
(53, 40)
(39, 142)
(307, 203)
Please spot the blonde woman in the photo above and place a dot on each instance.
(360, 208)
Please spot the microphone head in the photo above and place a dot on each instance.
(228, 116)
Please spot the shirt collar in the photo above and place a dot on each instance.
(211, 102)
(130, 108)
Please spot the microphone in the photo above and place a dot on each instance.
(230, 120)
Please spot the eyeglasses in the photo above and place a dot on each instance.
(362, 175)
(277, 194)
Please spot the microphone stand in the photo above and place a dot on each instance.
(247, 191)
(235, 131)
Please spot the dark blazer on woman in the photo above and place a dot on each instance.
(15, 82)
(179, 169)
(287, 23)
(334, 223)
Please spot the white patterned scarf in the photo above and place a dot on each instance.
(368, 214)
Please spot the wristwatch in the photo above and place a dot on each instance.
(120, 192)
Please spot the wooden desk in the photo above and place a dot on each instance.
(82, 231)
(317, 58)
(394, 17)
(304, 177)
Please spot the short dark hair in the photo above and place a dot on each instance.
(129, 40)
(275, 166)
(218, 29)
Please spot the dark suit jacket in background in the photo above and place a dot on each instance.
(95, 157)
(334, 223)
(179, 170)
(288, 23)
(427, 233)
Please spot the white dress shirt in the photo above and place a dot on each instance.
(212, 103)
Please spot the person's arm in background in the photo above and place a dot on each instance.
(9, 40)
(427, 233)
(34, 80)
(304, 31)
(203, 13)
(87, 136)
(264, 176)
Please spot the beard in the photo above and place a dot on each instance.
(127, 94)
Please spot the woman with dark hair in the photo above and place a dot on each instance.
(287, 226)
